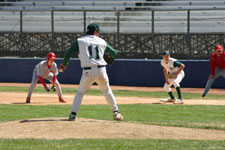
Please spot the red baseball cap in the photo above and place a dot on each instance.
(219, 47)
(51, 55)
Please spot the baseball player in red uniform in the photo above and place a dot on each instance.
(91, 50)
(217, 67)
(46, 69)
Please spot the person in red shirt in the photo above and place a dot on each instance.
(217, 67)
(46, 69)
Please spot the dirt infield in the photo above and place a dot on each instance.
(52, 99)
(133, 88)
(60, 128)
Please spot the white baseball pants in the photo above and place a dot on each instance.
(98, 75)
(175, 82)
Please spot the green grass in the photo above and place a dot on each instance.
(158, 94)
(109, 144)
(192, 116)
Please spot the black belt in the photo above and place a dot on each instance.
(89, 68)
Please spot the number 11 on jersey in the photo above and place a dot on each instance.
(92, 49)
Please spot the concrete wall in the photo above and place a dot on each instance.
(122, 72)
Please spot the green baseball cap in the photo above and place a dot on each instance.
(93, 27)
(166, 52)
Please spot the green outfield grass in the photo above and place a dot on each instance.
(192, 116)
(110, 144)
(168, 115)
(158, 94)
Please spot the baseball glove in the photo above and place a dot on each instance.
(109, 59)
(47, 88)
(62, 68)
(53, 88)
(171, 75)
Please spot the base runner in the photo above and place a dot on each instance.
(217, 67)
(46, 69)
(173, 73)
(91, 50)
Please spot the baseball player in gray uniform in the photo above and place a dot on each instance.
(91, 49)
(46, 69)
(173, 73)
(217, 68)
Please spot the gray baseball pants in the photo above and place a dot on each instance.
(218, 73)
(49, 78)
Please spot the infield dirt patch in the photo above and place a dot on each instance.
(59, 128)
(52, 99)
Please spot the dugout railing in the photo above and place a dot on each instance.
(187, 34)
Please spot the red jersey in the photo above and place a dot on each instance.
(216, 61)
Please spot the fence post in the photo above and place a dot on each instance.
(21, 21)
(153, 22)
(118, 30)
(188, 32)
(188, 21)
(84, 21)
(53, 34)
(153, 31)
(21, 35)
(52, 20)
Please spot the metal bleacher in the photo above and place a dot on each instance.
(135, 15)
(68, 5)
(137, 28)
(111, 4)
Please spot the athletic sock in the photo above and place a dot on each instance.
(179, 93)
(171, 95)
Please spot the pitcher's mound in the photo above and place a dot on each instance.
(60, 128)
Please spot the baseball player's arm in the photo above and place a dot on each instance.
(180, 65)
(165, 75)
(111, 51)
(69, 52)
(41, 80)
(212, 67)
(74, 48)
(43, 83)
(54, 83)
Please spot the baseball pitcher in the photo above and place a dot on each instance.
(173, 73)
(46, 69)
(91, 50)
(217, 67)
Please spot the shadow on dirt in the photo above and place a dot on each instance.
(42, 120)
